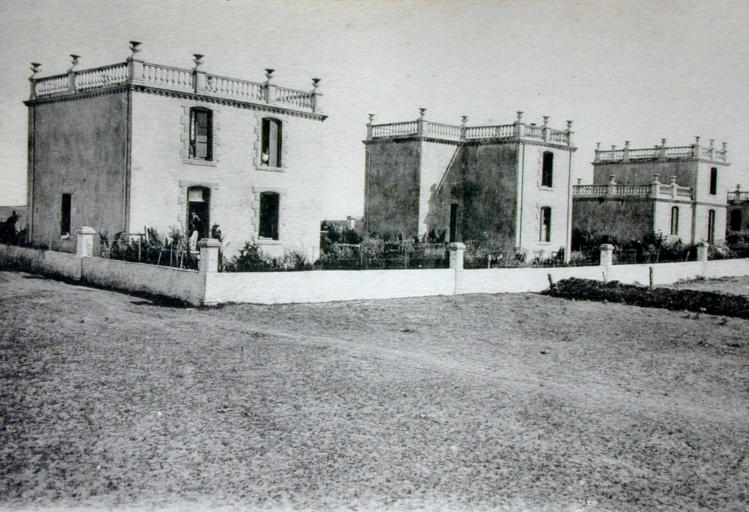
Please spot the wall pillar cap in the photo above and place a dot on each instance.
(456, 246)
(607, 247)
(86, 230)
(703, 244)
(208, 242)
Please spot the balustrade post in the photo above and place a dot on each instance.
(625, 153)
(420, 122)
(71, 72)
(545, 129)
(518, 125)
(712, 149)
(267, 85)
(611, 188)
(369, 126)
(597, 157)
(463, 120)
(696, 147)
(198, 77)
(655, 185)
(725, 153)
(569, 132)
(315, 100)
(662, 152)
(35, 67)
(134, 66)
(674, 187)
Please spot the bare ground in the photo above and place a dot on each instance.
(733, 285)
(478, 402)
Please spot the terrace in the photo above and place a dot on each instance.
(738, 195)
(661, 152)
(517, 131)
(137, 73)
(655, 190)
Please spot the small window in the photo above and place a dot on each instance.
(711, 227)
(271, 144)
(735, 220)
(713, 181)
(674, 220)
(545, 231)
(269, 215)
(65, 215)
(547, 174)
(201, 134)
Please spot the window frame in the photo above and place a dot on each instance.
(192, 149)
(711, 226)
(275, 229)
(544, 225)
(713, 181)
(275, 158)
(66, 214)
(675, 220)
(547, 169)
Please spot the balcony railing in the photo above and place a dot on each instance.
(662, 153)
(654, 190)
(738, 196)
(517, 131)
(174, 79)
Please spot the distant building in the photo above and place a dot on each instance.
(737, 225)
(677, 191)
(138, 145)
(506, 185)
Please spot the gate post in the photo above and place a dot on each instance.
(457, 255)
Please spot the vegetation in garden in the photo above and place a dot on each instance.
(669, 298)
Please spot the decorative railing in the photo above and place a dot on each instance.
(534, 132)
(559, 136)
(226, 86)
(51, 85)
(448, 131)
(395, 129)
(659, 152)
(680, 152)
(611, 190)
(490, 132)
(614, 154)
(101, 77)
(167, 76)
(668, 189)
(172, 78)
(738, 195)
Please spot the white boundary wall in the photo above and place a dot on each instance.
(209, 287)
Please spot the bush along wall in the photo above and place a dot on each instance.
(670, 298)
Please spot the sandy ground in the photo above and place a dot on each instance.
(479, 402)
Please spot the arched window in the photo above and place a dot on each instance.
(711, 226)
(547, 174)
(544, 234)
(713, 181)
(271, 143)
(201, 133)
(269, 215)
(674, 220)
(65, 207)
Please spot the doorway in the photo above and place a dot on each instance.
(198, 211)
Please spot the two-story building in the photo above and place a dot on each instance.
(507, 186)
(677, 191)
(138, 145)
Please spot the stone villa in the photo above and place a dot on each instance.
(508, 185)
(135, 144)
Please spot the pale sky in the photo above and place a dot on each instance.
(621, 70)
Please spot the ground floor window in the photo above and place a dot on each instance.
(674, 220)
(198, 212)
(544, 234)
(269, 202)
(65, 207)
(711, 227)
(735, 220)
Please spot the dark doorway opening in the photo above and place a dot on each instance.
(453, 222)
(198, 211)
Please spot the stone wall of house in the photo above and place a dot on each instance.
(662, 212)
(79, 148)
(629, 219)
(643, 172)
(437, 160)
(391, 188)
(535, 196)
(162, 173)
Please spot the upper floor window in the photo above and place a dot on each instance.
(544, 234)
(674, 220)
(271, 143)
(201, 134)
(713, 181)
(547, 174)
(65, 208)
(268, 215)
